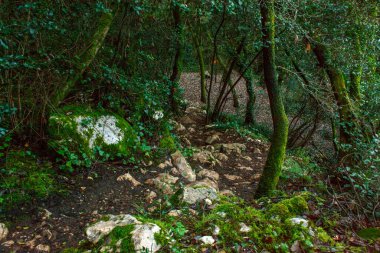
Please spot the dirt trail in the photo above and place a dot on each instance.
(60, 222)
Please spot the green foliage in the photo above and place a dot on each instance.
(257, 131)
(369, 233)
(23, 178)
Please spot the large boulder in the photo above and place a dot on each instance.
(77, 129)
(141, 236)
(200, 191)
(102, 228)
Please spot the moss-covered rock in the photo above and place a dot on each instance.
(85, 131)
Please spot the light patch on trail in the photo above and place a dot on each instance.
(105, 128)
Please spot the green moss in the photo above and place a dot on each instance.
(123, 234)
(289, 207)
(168, 143)
(24, 178)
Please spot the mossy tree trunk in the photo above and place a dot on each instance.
(356, 73)
(178, 58)
(85, 58)
(348, 121)
(202, 69)
(276, 155)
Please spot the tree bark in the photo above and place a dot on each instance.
(85, 58)
(178, 58)
(348, 120)
(276, 155)
(202, 70)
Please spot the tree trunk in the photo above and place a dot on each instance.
(202, 70)
(178, 58)
(225, 71)
(348, 121)
(85, 58)
(276, 155)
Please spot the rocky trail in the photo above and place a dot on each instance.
(222, 162)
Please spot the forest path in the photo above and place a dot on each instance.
(61, 221)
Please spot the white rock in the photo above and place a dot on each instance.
(143, 238)
(207, 240)
(128, 177)
(43, 248)
(102, 228)
(183, 166)
(3, 231)
(216, 230)
(208, 202)
(299, 221)
(105, 128)
(244, 228)
(302, 222)
(199, 191)
(222, 214)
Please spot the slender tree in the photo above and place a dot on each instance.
(276, 155)
(85, 58)
(178, 58)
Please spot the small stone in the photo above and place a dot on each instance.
(208, 202)
(248, 158)
(221, 157)
(245, 168)
(244, 228)
(186, 141)
(232, 177)
(150, 197)
(183, 166)
(204, 157)
(213, 175)
(207, 240)
(191, 130)
(128, 177)
(83, 188)
(257, 151)
(187, 120)
(9, 243)
(175, 213)
(216, 230)
(212, 139)
(3, 231)
(222, 214)
(227, 193)
(164, 182)
(90, 178)
(296, 247)
(43, 248)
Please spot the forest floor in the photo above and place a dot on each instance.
(60, 222)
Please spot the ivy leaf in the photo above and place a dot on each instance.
(369, 233)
